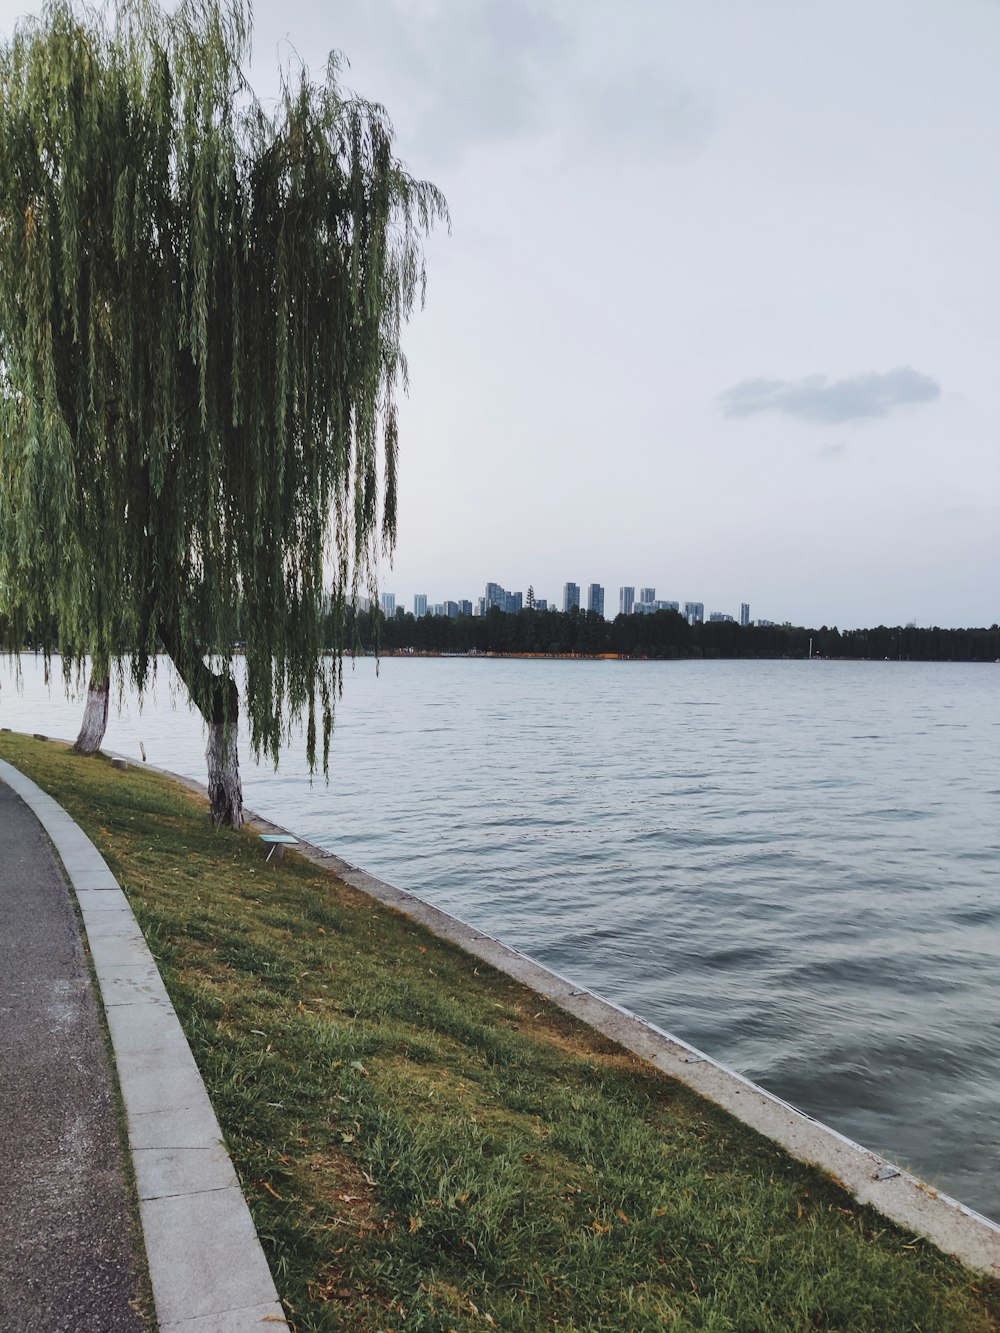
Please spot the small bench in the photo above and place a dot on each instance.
(276, 844)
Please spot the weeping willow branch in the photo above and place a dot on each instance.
(201, 306)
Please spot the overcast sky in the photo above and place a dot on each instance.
(720, 309)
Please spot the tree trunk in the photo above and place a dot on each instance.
(225, 792)
(95, 714)
(218, 701)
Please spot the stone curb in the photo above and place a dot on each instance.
(206, 1264)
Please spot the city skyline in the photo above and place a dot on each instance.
(511, 600)
(612, 602)
(725, 600)
(626, 600)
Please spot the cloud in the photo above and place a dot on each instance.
(816, 398)
(478, 72)
(485, 73)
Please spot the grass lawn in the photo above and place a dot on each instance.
(427, 1145)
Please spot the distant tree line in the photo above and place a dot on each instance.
(662, 635)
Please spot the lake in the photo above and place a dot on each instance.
(792, 865)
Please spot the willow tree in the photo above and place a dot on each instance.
(201, 303)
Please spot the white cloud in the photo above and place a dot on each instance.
(815, 398)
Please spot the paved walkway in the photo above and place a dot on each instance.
(63, 1235)
(66, 1239)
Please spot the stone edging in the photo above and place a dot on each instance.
(206, 1265)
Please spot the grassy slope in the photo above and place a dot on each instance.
(427, 1145)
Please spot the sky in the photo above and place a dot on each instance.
(719, 309)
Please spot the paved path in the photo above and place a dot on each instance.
(206, 1265)
(66, 1238)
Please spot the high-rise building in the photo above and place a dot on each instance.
(388, 604)
(541, 604)
(720, 617)
(595, 598)
(626, 600)
(744, 613)
(420, 605)
(694, 613)
(451, 610)
(501, 599)
(647, 594)
(495, 596)
(571, 596)
(464, 607)
(667, 606)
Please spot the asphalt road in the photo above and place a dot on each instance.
(66, 1239)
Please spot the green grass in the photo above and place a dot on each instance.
(427, 1145)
